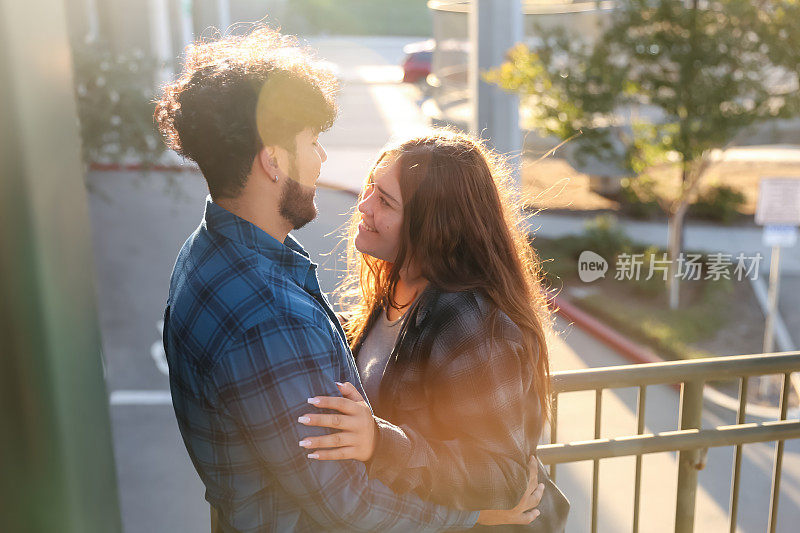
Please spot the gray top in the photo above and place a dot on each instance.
(374, 354)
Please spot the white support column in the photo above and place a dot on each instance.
(224, 14)
(187, 24)
(161, 39)
(92, 20)
(494, 27)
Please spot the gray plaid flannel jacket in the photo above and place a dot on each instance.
(458, 390)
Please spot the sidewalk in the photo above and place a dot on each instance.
(698, 236)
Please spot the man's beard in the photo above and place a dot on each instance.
(297, 202)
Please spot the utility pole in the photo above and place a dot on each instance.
(56, 459)
(494, 27)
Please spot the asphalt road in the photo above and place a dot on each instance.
(139, 223)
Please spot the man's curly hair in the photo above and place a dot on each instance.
(241, 93)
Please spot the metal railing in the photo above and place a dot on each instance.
(690, 440)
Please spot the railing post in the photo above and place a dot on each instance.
(776, 473)
(691, 416)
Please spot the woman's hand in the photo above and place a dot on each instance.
(525, 511)
(356, 440)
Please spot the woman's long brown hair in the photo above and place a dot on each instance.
(463, 230)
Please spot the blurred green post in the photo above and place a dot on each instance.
(56, 458)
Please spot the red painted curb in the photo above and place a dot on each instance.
(609, 336)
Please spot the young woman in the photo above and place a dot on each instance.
(447, 324)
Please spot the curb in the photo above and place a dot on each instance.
(609, 336)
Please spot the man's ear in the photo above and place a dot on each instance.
(269, 162)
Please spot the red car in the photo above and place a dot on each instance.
(417, 64)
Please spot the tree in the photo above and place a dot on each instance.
(115, 94)
(671, 79)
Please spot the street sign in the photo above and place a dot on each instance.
(778, 202)
(778, 210)
(783, 236)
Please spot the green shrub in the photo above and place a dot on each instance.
(638, 198)
(654, 286)
(670, 332)
(720, 203)
(559, 257)
(115, 93)
(604, 235)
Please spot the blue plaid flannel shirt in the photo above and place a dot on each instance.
(249, 337)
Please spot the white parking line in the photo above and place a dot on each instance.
(157, 351)
(140, 397)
